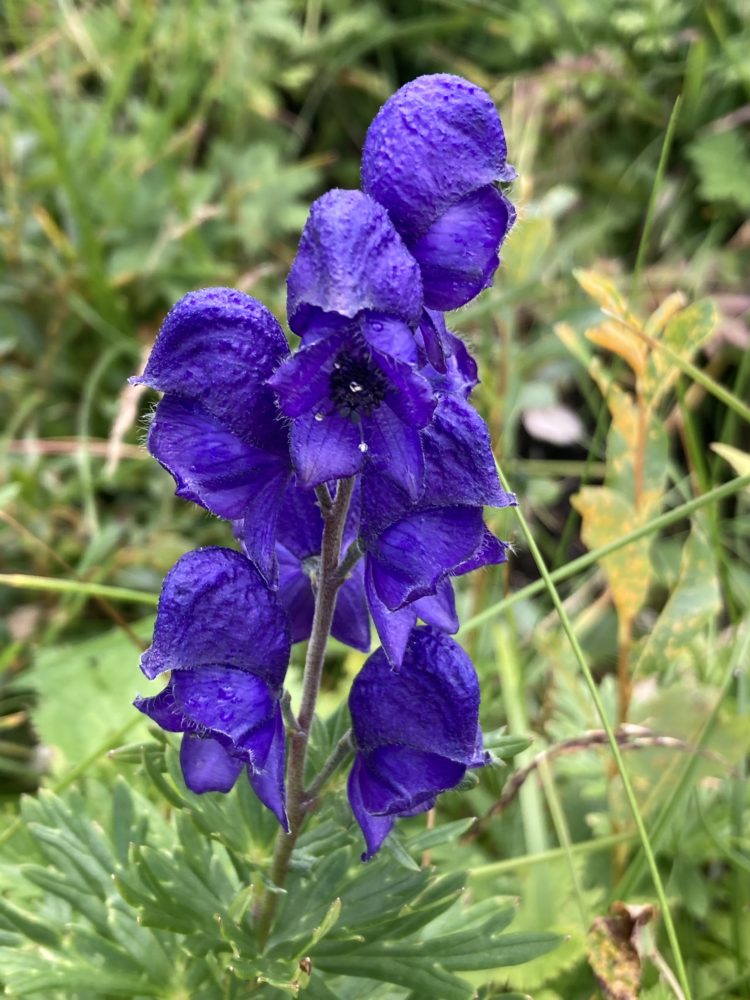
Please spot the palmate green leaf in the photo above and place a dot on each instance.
(722, 161)
(85, 692)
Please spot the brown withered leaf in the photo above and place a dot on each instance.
(614, 949)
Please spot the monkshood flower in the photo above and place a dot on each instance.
(224, 636)
(352, 390)
(298, 544)
(413, 549)
(415, 732)
(432, 157)
(217, 429)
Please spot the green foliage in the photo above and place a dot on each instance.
(163, 902)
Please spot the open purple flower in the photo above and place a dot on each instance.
(224, 636)
(432, 157)
(415, 732)
(298, 553)
(413, 549)
(218, 430)
(352, 390)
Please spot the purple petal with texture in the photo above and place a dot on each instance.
(439, 609)
(431, 704)
(460, 466)
(390, 336)
(214, 608)
(406, 781)
(218, 347)
(296, 595)
(393, 627)
(435, 141)
(412, 556)
(268, 782)
(324, 450)
(230, 703)
(206, 765)
(395, 451)
(350, 259)
(162, 710)
(211, 465)
(374, 828)
(490, 552)
(303, 381)
(458, 255)
(259, 526)
(351, 621)
(410, 397)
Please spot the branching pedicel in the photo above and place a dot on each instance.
(354, 472)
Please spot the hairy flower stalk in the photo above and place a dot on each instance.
(328, 584)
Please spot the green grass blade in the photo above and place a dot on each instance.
(656, 188)
(23, 581)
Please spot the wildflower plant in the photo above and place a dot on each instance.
(353, 473)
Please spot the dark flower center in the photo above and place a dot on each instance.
(357, 385)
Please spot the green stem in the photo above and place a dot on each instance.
(297, 802)
(337, 757)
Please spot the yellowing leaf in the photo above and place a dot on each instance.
(607, 516)
(664, 313)
(677, 635)
(621, 340)
(739, 460)
(685, 334)
(606, 295)
(575, 341)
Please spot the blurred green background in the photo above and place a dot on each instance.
(148, 148)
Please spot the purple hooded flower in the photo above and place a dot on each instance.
(352, 390)
(412, 549)
(298, 554)
(415, 732)
(433, 157)
(217, 430)
(224, 636)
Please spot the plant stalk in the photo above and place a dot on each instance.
(297, 804)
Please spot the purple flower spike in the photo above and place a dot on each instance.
(416, 732)
(351, 259)
(224, 636)
(217, 430)
(432, 158)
